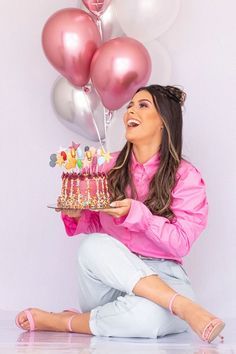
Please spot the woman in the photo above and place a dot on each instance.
(131, 279)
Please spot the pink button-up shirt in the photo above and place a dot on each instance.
(141, 231)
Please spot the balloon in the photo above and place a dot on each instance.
(53, 157)
(53, 160)
(63, 155)
(119, 67)
(76, 109)
(70, 38)
(110, 26)
(80, 153)
(146, 20)
(101, 160)
(97, 7)
(52, 163)
(79, 163)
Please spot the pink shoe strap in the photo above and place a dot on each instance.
(171, 303)
(209, 328)
(30, 319)
(69, 323)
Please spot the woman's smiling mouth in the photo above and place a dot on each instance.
(133, 123)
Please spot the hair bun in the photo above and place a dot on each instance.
(176, 93)
(172, 92)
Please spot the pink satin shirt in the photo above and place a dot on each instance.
(147, 234)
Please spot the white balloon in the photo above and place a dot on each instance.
(146, 20)
(161, 68)
(76, 109)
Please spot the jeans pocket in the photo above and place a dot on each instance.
(179, 272)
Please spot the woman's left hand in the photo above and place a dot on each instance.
(119, 208)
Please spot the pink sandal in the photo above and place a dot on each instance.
(32, 323)
(29, 318)
(212, 329)
(71, 318)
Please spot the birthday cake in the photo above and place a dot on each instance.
(84, 182)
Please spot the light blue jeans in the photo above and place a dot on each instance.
(108, 271)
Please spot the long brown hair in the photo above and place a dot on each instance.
(168, 101)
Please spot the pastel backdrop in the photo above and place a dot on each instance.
(37, 259)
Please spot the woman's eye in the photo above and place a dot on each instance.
(143, 105)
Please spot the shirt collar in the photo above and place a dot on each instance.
(149, 165)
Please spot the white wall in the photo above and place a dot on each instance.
(37, 260)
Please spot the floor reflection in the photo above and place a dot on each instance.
(14, 340)
(56, 342)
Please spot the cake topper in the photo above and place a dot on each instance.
(74, 159)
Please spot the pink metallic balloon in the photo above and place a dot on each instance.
(70, 38)
(97, 7)
(119, 67)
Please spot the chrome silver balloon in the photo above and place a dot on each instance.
(79, 109)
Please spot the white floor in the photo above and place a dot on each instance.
(13, 340)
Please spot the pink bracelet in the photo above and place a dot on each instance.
(171, 303)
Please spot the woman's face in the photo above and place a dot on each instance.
(142, 121)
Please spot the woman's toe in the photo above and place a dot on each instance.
(21, 318)
(24, 325)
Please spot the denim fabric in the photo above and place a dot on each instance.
(108, 271)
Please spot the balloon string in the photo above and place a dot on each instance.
(107, 117)
(99, 25)
(110, 115)
(91, 111)
(105, 124)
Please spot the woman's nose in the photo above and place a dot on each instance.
(131, 111)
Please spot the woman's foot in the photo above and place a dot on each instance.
(45, 321)
(197, 317)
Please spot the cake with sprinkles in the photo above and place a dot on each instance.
(84, 182)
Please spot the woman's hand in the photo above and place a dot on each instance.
(119, 208)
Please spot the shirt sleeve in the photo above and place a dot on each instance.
(190, 206)
(89, 222)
